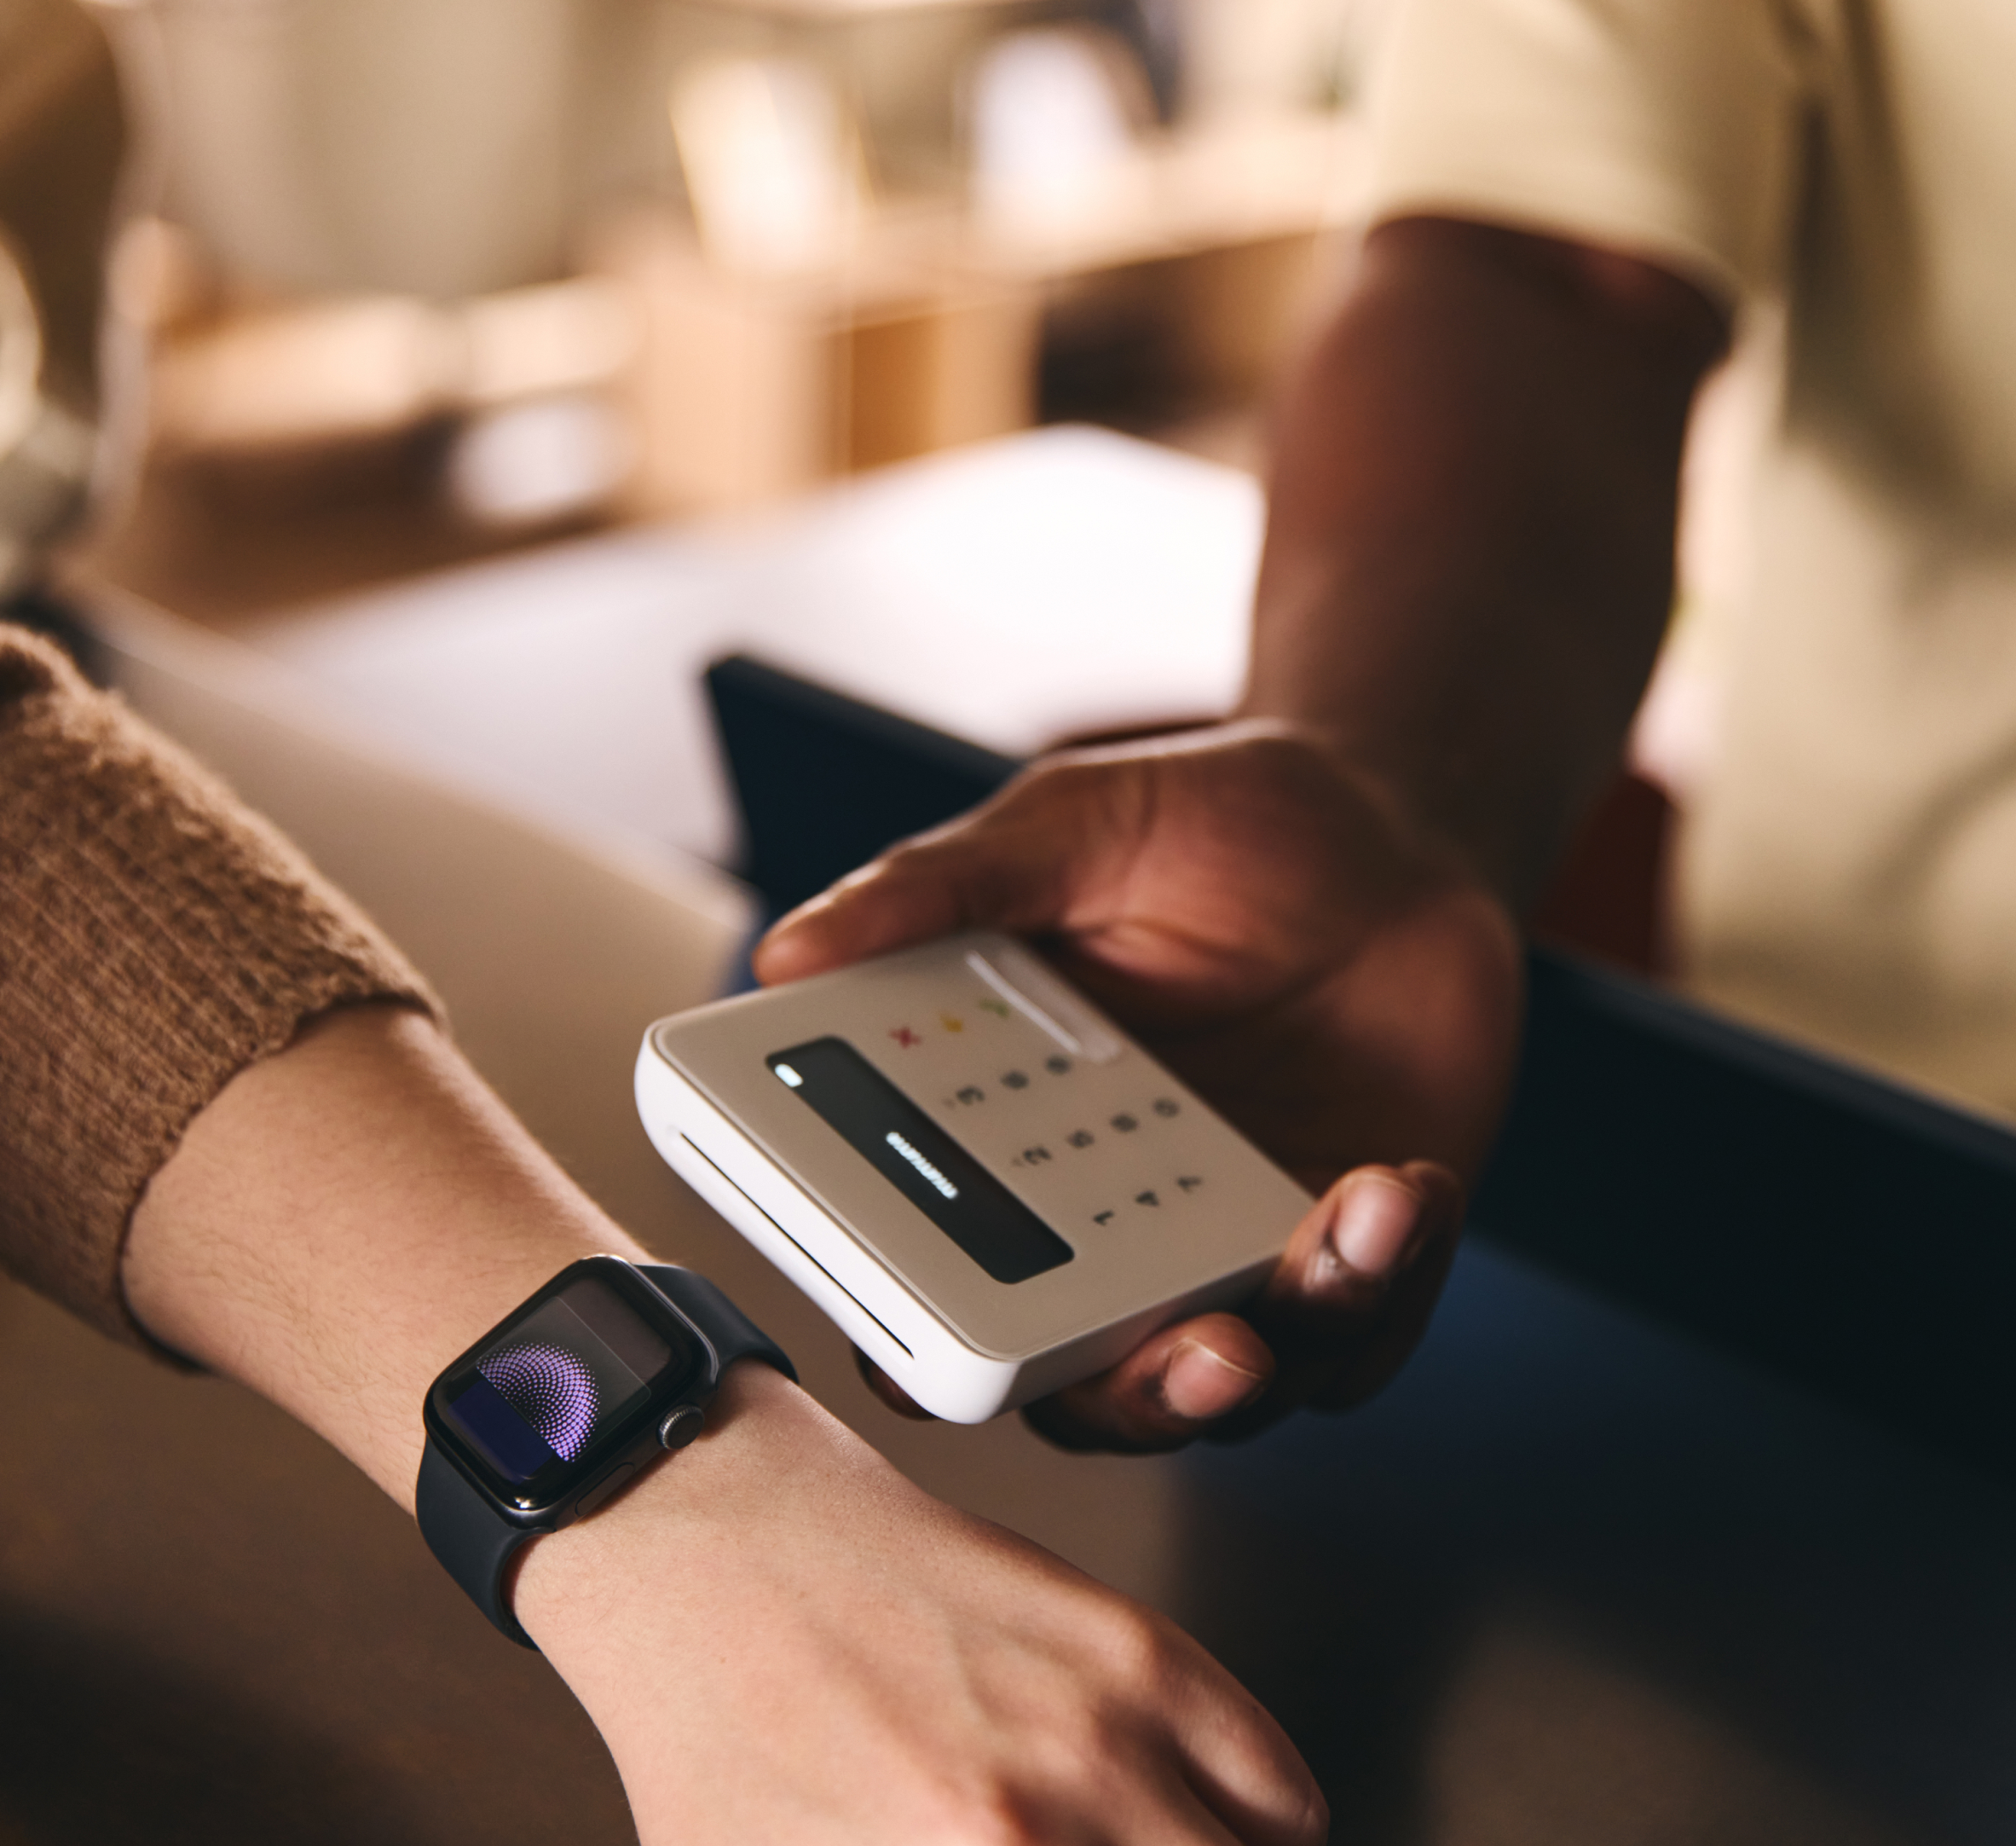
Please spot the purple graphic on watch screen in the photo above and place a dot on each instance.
(549, 1388)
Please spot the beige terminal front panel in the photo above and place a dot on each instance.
(991, 1188)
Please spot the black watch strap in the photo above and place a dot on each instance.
(474, 1543)
(732, 1333)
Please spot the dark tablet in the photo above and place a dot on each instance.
(1838, 1230)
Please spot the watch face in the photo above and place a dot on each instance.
(576, 1377)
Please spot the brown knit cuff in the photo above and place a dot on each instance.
(155, 937)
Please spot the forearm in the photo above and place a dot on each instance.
(1469, 560)
(342, 1220)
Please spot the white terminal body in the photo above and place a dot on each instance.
(988, 1186)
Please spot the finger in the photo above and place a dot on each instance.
(1264, 1795)
(892, 1393)
(1241, 1766)
(1172, 1386)
(1354, 1291)
(1210, 1766)
(932, 886)
(1019, 862)
(1158, 1807)
(871, 911)
(1412, 1293)
(1194, 1809)
(1326, 1320)
(1343, 1255)
(1356, 1288)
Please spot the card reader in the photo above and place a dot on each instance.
(990, 1187)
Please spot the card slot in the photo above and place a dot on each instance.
(729, 1179)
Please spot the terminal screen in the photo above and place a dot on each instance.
(930, 1169)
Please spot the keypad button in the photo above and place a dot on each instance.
(1125, 1124)
(1079, 1137)
(1014, 1080)
(1147, 1198)
(1035, 1156)
(1102, 1218)
(1057, 1065)
(972, 1093)
(1165, 1107)
(1189, 1182)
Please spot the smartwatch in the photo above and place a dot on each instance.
(561, 1404)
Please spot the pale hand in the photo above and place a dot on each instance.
(780, 1638)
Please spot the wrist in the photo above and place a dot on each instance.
(685, 1519)
(561, 1407)
(1416, 814)
(342, 1220)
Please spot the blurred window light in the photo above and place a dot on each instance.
(1247, 58)
(362, 367)
(533, 342)
(1054, 113)
(325, 371)
(554, 458)
(46, 452)
(772, 162)
(157, 277)
(20, 353)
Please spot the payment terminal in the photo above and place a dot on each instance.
(990, 1187)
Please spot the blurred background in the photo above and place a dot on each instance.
(682, 329)
(419, 280)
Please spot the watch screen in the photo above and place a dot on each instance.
(571, 1369)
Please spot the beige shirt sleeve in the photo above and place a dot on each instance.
(1668, 128)
(155, 937)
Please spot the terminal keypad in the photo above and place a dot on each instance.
(1111, 1130)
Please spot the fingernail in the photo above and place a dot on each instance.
(1376, 1219)
(1199, 1384)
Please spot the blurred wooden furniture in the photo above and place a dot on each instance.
(751, 387)
(1209, 252)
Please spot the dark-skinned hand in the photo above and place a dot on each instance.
(1262, 916)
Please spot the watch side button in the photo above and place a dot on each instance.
(683, 1422)
(604, 1489)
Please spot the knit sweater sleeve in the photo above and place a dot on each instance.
(155, 937)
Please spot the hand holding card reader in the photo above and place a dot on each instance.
(986, 1184)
